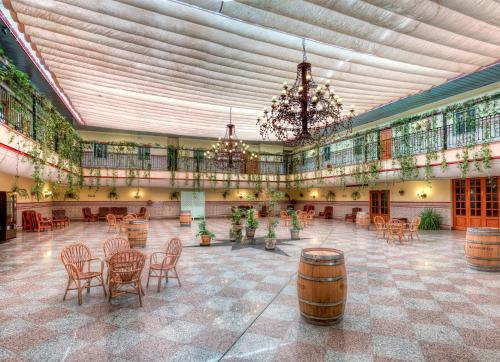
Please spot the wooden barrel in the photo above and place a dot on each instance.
(482, 248)
(137, 231)
(363, 219)
(322, 285)
(185, 218)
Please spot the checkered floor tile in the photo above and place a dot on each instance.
(417, 301)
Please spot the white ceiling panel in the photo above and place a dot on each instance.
(178, 66)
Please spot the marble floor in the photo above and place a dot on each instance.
(414, 302)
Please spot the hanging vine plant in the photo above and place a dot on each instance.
(463, 161)
(430, 157)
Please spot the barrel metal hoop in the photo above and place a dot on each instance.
(481, 258)
(334, 279)
(308, 316)
(342, 301)
(482, 242)
(316, 263)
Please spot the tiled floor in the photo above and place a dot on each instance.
(405, 302)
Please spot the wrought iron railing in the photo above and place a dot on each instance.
(27, 118)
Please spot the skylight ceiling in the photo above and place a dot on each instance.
(177, 66)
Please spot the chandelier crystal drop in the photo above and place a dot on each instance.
(229, 152)
(305, 113)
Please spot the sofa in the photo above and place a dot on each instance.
(115, 210)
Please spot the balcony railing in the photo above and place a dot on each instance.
(27, 116)
(485, 129)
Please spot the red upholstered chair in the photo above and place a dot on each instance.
(352, 217)
(59, 218)
(103, 213)
(42, 223)
(308, 207)
(88, 216)
(328, 213)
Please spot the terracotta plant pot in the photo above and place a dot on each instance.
(294, 234)
(250, 232)
(270, 244)
(205, 240)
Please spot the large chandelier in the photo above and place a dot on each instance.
(229, 153)
(305, 113)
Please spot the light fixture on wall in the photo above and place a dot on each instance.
(230, 153)
(305, 113)
(422, 194)
(137, 194)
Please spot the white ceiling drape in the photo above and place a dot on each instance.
(177, 66)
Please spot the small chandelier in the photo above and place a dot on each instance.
(305, 113)
(230, 153)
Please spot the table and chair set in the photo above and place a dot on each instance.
(124, 267)
(397, 228)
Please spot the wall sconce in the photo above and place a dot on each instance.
(47, 194)
(422, 194)
(314, 195)
(137, 195)
(240, 196)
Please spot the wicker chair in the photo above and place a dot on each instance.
(74, 258)
(302, 216)
(112, 223)
(285, 217)
(413, 228)
(395, 231)
(125, 269)
(380, 226)
(310, 216)
(125, 220)
(111, 247)
(159, 267)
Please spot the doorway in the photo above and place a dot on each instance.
(475, 202)
(380, 204)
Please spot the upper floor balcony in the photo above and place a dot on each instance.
(372, 146)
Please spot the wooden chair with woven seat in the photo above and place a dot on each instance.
(285, 217)
(111, 247)
(310, 216)
(395, 231)
(125, 269)
(159, 267)
(112, 223)
(125, 220)
(380, 226)
(302, 215)
(413, 228)
(75, 257)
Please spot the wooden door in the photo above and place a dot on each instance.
(380, 204)
(385, 144)
(491, 202)
(459, 204)
(475, 203)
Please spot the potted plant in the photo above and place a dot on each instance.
(252, 224)
(295, 229)
(113, 194)
(206, 235)
(271, 234)
(70, 194)
(236, 216)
